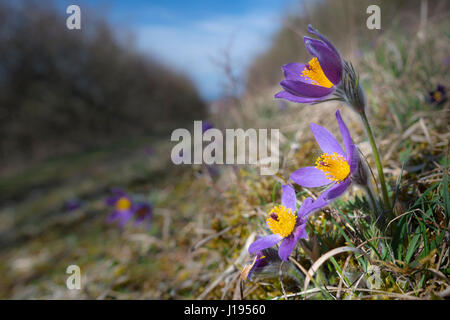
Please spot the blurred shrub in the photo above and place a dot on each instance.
(71, 90)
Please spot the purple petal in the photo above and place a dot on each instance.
(124, 217)
(350, 149)
(143, 212)
(336, 191)
(261, 261)
(291, 97)
(330, 62)
(292, 71)
(142, 208)
(309, 206)
(300, 232)
(309, 177)
(264, 243)
(288, 244)
(110, 201)
(139, 220)
(206, 126)
(316, 205)
(288, 198)
(326, 141)
(112, 216)
(117, 194)
(327, 42)
(286, 247)
(147, 220)
(72, 204)
(305, 208)
(304, 89)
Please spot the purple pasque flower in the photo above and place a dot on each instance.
(122, 205)
(143, 212)
(72, 204)
(206, 125)
(316, 80)
(262, 261)
(259, 261)
(438, 96)
(333, 167)
(286, 223)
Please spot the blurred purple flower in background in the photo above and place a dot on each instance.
(437, 96)
(72, 204)
(143, 213)
(316, 80)
(206, 126)
(123, 207)
(334, 167)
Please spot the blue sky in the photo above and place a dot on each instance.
(190, 35)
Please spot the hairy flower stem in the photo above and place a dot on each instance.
(387, 203)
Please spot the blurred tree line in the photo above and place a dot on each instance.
(64, 91)
(344, 23)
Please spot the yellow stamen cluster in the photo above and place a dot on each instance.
(281, 221)
(313, 71)
(123, 204)
(437, 96)
(335, 167)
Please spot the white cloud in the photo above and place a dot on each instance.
(191, 46)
